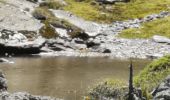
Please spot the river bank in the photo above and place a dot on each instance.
(101, 39)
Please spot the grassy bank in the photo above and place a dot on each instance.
(147, 30)
(118, 11)
(153, 74)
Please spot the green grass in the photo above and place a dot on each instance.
(118, 11)
(153, 74)
(147, 30)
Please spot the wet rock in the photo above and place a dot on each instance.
(107, 51)
(162, 92)
(107, 1)
(3, 82)
(161, 39)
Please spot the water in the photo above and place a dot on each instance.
(64, 77)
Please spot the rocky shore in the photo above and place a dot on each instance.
(21, 36)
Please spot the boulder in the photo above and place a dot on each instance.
(3, 82)
(28, 47)
(162, 92)
(161, 39)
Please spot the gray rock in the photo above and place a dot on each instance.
(3, 82)
(161, 39)
(107, 1)
(162, 92)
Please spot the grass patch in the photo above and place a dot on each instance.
(109, 88)
(152, 75)
(147, 30)
(118, 11)
(52, 4)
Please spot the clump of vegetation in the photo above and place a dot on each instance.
(48, 31)
(109, 89)
(43, 14)
(147, 30)
(89, 10)
(50, 21)
(52, 4)
(152, 75)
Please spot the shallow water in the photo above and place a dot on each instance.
(64, 77)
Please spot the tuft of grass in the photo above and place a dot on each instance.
(147, 30)
(50, 22)
(152, 75)
(118, 11)
(48, 31)
(52, 4)
(109, 88)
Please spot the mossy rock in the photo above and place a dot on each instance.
(52, 4)
(152, 75)
(73, 31)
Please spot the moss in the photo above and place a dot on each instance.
(109, 88)
(48, 31)
(52, 4)
(147, 30)
(118, 11)
(153, 74)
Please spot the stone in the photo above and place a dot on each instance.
(3, 82)
(162, 92)
(161, 39)
(107, 1)
(62, 32)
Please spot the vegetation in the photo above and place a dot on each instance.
(50, 21)
(109, 88)
(90, 10)
(152, 75)
(147, 30)
(52, 4)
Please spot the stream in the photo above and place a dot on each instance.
(64, 77)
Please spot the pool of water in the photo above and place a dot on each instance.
(64, 77)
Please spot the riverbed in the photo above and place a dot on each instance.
(64, 77)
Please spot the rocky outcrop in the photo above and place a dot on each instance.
(16, 43)
(162, 92)
(15, 15)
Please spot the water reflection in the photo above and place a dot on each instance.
(64, 77)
